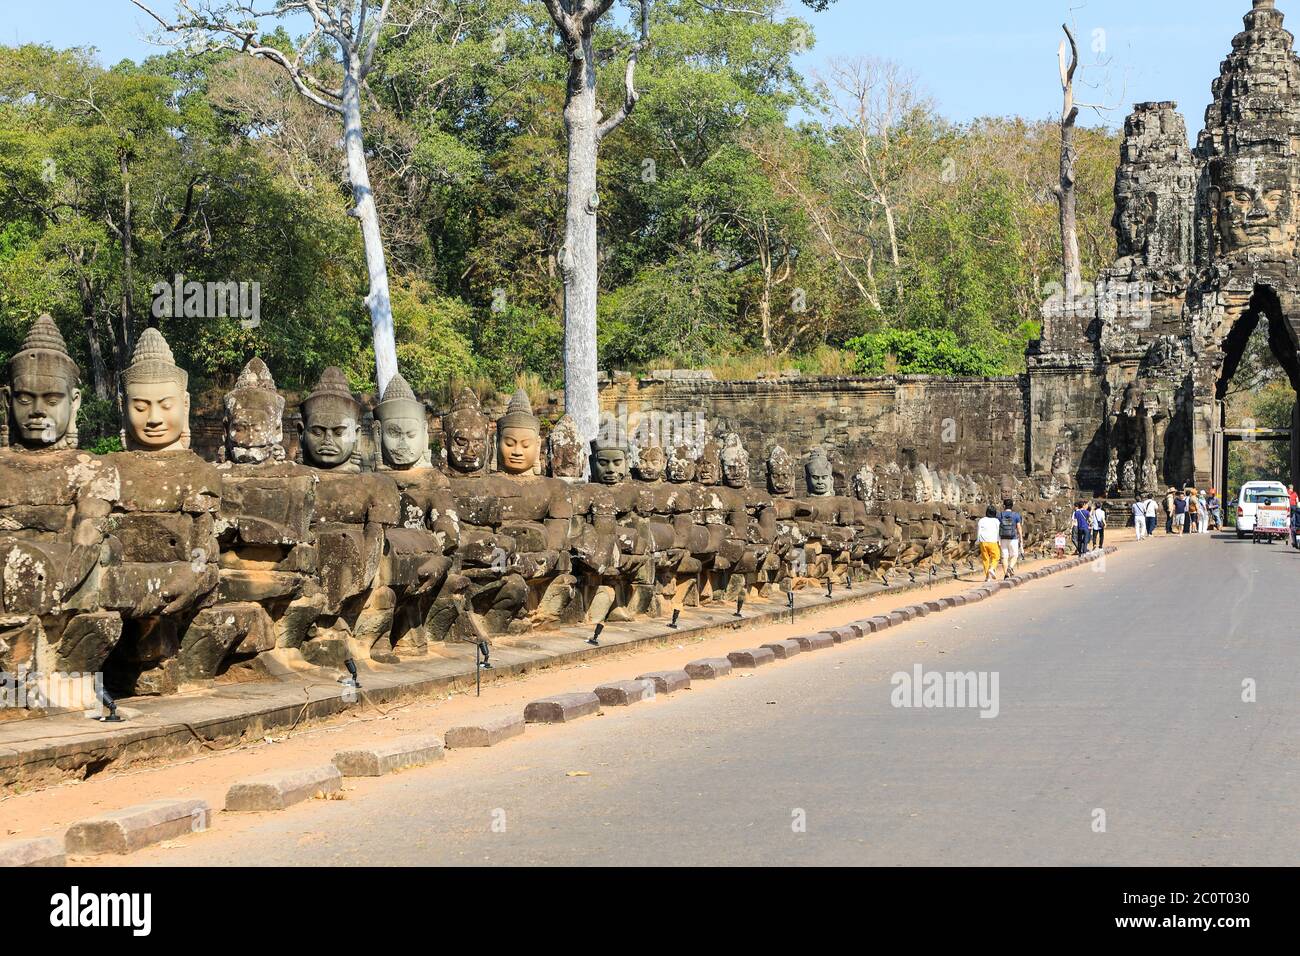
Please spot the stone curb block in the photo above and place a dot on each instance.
(133, 828)
(881, 622)
(397, 754)
(42, 851)
(486, 732)
(283, 788)
(835, 635)
(624, 693)
(562, 708)
(668, 682)
(785, 649)
(815, 642)
(708, 668)
(751, 657)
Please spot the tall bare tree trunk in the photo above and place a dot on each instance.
(99, 377)
(378, 301)
(1066, 193)
(128, 277)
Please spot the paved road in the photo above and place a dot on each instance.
(1119, 690)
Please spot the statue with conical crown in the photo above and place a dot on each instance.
(330, 430)
(157, 414)
(253, 423)
(403, 428)
(44, 391)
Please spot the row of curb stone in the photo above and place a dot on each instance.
(134, 828)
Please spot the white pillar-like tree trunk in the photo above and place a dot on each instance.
(234, 25)
(576, 22)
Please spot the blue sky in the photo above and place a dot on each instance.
(973, 58)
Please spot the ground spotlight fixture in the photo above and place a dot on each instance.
(789, 602)
(112, 717)
(595, 638)
(480, 662)
(740, 603)
(677, 612)
(352, 680)
(830, 587)
(484, 651)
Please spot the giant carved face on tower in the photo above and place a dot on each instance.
(45, 393)
(1253, 203)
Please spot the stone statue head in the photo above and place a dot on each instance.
(519, 436)
(45, 391)
(157, 404)
(331, 424)
(1252, 196)
(780, 472)
(465, 435)
(403, 428)
(681, 465)
(818, 473)
(708, 469)
(735, 462)
(565, 447)
(254, 418)
(609, 461)
(864, 484)
(651, 461)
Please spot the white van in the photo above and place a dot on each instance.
(1253, 494)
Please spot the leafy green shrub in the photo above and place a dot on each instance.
(920, 352)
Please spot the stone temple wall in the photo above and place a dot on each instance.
(968, 426)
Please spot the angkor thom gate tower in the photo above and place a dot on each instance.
(1126, 386)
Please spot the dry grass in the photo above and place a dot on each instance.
(824, 360)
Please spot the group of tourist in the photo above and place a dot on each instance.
(1001, 538)
(1192, 511)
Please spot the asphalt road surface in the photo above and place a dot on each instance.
(1120, 692)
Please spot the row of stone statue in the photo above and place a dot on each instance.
(45, 396)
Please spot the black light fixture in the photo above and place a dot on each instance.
(789, 602)
(352, 680)
(480, 661)
(105, 698)
(595, 638)
(677, 612)
(740, 603)
(830, 587)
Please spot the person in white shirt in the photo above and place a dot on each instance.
(1152, 513)
(1098, 522)
(1139, 519)
(986, 533)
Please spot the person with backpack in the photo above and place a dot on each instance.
(1011, 539)
(986, 533)
(1082, 527)
(1098, 523)
(1193, 523)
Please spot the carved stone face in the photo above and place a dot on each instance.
(780, 472)
(44, 406)
(708, 471)
(330, 435)
(156, 414)
(566, 450)
(404, 440)
(681, 466)
(1135, 219)
(609, 466)
(467, 436)
(821, 483)
(1254, 205)
(651, 463)
(254, 428)
(518, 449)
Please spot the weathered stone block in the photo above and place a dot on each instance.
(486, 731)
(87, 641)
(668, 682)
(708, 668)
(562, 708)
(784, 649)
(815, 642)
(131, 829)
(283, 788)
(216, 632)
(42, 851)
(751, 657)
(375, 760)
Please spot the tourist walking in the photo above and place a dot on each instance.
(1214, 509)
(1082, 527)
(1139, 518)
(1152, 512)
(1098, 522)
(986, 533)
(1180, 512)
(1011, 539)
(1170, 511)
(1192, 524)
(1203, 511)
